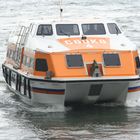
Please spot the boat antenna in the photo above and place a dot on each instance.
(61, 10)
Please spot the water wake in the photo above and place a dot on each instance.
(132, 103)
(47, 108)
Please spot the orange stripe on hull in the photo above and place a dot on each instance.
(134, 90)
(48, 92)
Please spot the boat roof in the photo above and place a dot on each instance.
(65, 21)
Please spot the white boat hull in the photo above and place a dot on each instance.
(74, 91)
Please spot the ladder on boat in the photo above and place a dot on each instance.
(21, 40)
(22, 36)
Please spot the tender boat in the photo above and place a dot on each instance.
(66, 62)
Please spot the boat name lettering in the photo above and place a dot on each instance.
(87, 41)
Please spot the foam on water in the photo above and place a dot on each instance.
(46, 108)
(133, 103)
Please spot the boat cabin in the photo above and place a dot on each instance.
(72, 50)
(77, 29)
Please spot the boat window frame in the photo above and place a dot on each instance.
(24, 62)
(42, 30)
(111, 59)
(68, 66)
(66, 33)
(13, 55)
(103, 25)
(31, 62)
(137, 61)
(38, 68)
(28, 61)
(118, 31)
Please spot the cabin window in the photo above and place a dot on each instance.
(41, 65)
(13, 56)
(93, 29)
(111, 60)
(137, 59)
(67, 29)
(18, 57)
(74, 60)
(113, 28)
(31, 64)
(44, 30)
(25, 60)
(28, 61)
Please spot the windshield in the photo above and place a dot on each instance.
(67, 29)
(44, 29)
(113, 28)
(93, 29)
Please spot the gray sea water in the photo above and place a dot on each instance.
(19, 121)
